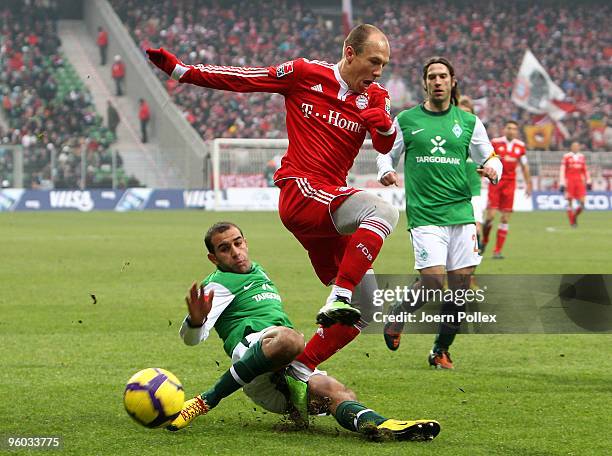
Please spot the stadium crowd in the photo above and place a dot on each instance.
(485, 41)
(46, 108)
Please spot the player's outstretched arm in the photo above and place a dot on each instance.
(164, 60)
(236, 79)
(205, 306)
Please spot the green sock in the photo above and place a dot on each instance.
(352, 415)
(447, 331)
(243, 371)
(442, 342)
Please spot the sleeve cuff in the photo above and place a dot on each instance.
(179, 71)
(496, 164)
(191, 335)
(191, 325)
(383, 173)
(389, 132)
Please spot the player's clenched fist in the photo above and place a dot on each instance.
(377, 118)
(389, 178)
(163, 59)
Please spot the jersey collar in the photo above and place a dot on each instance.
(435, 113)
(508, 142)
(344, 90)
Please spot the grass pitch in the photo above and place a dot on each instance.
(65, 359)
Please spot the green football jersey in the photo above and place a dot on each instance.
(474, 179)
(436, 149)
(243, 304)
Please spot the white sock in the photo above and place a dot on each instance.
(337, 291)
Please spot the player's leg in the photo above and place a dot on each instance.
(579, 193)
(325, 255)
(506, 204)
(430, 246)
(327, 340)
(330, 213)
(570, 211)
(579, 210)
(256, 354)
(493, 205)
(462, 259)
(368, 220)
(356, 417)
(502, 233)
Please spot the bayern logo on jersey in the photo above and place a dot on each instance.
(361, 101)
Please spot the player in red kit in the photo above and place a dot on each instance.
(330, 108)
(512, 152)
(574, 179)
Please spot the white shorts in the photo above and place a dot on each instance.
(453, 246)
(262, 390)
(478, 206)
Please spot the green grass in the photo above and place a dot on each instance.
(65, 360)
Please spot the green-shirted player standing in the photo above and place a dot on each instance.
(244, 306)
(437, 138)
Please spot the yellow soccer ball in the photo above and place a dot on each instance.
(153, 397)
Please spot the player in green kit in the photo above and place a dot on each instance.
(244, 306)
(437, 138)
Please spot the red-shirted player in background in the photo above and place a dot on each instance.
(330, 107)
(574, 180)
(511, 151)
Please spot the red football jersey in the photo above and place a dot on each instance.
(323, 124)
(574, 165)
(510, 153)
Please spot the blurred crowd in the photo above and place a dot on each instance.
(484, 40)
(45, 107)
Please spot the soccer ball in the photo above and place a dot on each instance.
(153, 397)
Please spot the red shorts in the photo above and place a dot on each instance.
(576, 189)
(305, 209)
(501, 196)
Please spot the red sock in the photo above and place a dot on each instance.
(358, 257)
(502, 232)
(578, 211)
(571, 216)
(486, 230)
(325, 342)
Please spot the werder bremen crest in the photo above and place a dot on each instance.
(457, 130)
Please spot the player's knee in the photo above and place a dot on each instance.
(327, 386)
(388, 213)
(432, 281)
(289, 344)
(347, 394)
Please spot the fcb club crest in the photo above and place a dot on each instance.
(284, 69)
(361, 101)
